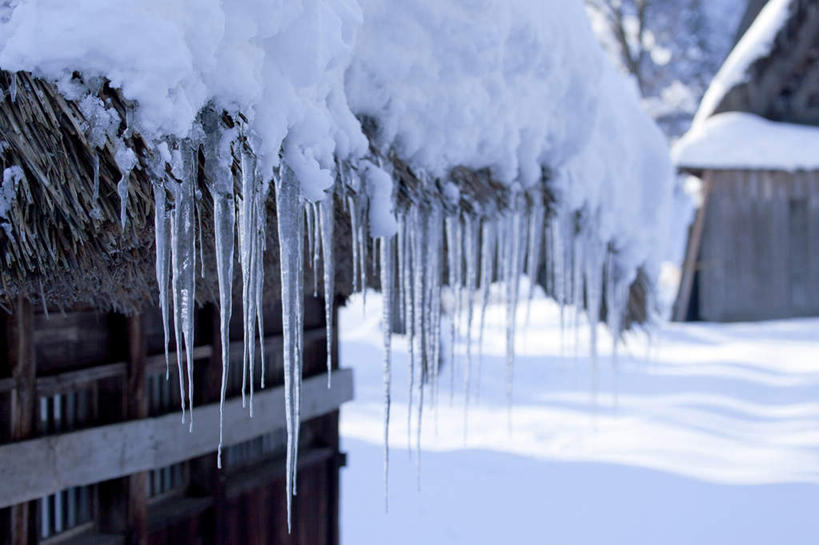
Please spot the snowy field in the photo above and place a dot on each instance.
(705, 434)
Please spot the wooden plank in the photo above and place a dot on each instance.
(75, 380)
(692, 253)
(269, 470)
(39, 467)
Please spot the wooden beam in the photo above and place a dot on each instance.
(39, 467)
(692, 253)
(70, 381)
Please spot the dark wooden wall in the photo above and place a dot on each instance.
(82, 369)
(759, 255)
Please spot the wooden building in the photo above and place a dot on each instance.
(753, 249)
(93, 450)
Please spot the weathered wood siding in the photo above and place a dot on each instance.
(90, 377)
(759, 255)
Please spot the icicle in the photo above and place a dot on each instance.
(224, 224)
(312, 251)
(386, 326)
(434, 265)
(291, 244)
(316, 245)
(176, 249)
(451, 224)
(261, 246)
(471, 226)
(13, 87)
(401, 217)
(488, 248)
(122, 191)
(327, 221)
(199, 224)
(513, 265)
(248, 238)
(535, 243)
(299, 362)
(363, 231)
(409, 274)
(188, 272)
(183, 262)
(593, 281)
(161, 233)
(353, 211)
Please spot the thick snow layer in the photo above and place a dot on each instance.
(754, 44)
(745, 141)
(280, 63)
(704, 434)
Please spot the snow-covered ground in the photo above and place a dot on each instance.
(704, 434)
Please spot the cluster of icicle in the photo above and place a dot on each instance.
(438, 252)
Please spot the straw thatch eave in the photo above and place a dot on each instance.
(62, 247)
(784, 84)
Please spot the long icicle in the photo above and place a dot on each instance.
(162, 236)
(386, 244)
(224, 223)
(327, 219)
(471, 245)
(290, 227)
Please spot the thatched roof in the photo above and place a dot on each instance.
(61, 245)
(782, 85)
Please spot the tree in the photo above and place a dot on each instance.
(672, 48)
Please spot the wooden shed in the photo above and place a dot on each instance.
(753, 247)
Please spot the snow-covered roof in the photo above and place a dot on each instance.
(518, 93)
(735, 140)
(754, 44)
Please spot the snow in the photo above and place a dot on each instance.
(519, 87)
(754, 44)
(735, 140)
(478, 83)
(703, 433)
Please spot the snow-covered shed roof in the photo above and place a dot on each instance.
(736, 140)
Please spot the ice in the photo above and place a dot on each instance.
(536, 231)
(219, 160)
(162, 238)
(471, 229)
(488, 252)
(291, 244)
(183, 265)
(327, 221)
(387, 244)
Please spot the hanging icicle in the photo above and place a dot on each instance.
(327, 221)
(291, 244)
(386, 244)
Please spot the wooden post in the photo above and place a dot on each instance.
(137, 404)
(123, 501)
(19, 330)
